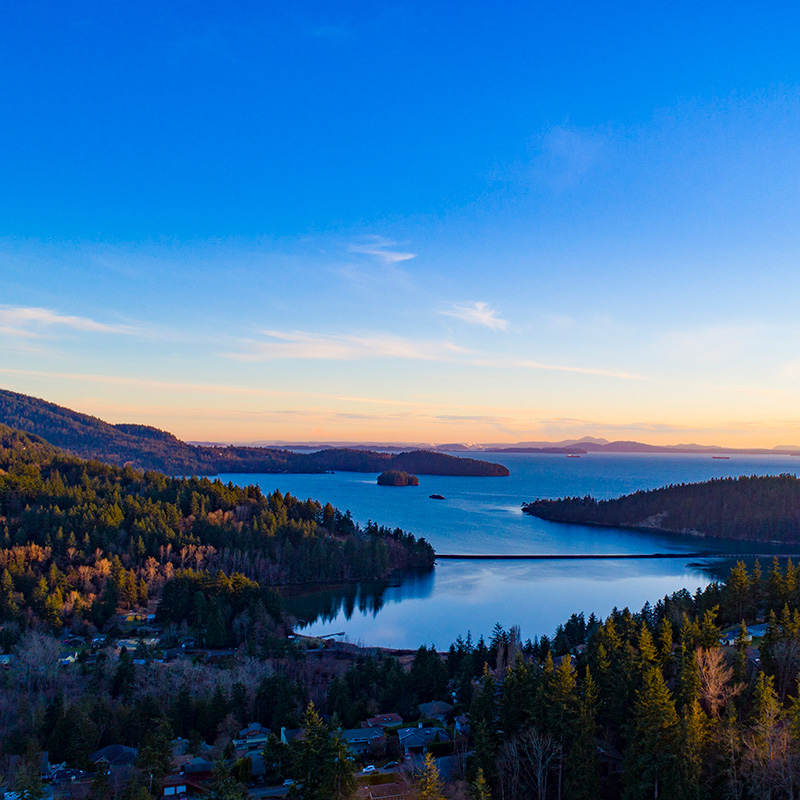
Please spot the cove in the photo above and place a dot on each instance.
(483, 516)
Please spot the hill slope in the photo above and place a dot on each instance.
(150, 448)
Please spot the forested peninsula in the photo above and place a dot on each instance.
(145, 447)
(80, 539)
(755, 508)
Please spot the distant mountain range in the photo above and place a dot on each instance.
(146, 447)
(586, 444)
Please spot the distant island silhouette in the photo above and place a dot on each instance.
(145, 447)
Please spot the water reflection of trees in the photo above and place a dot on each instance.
(326, 603)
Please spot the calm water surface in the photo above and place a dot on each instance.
(482, 515)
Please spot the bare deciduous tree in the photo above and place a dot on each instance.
(525, 762)
(716, 676)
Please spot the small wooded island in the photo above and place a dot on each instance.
(396, 477)
(755, 508)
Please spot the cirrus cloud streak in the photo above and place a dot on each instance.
(344, 347)
(33, 322)
(476, 313)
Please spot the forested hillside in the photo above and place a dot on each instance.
(149, 448)
(80, 539)
(757, 508)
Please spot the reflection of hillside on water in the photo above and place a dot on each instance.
(325, 603)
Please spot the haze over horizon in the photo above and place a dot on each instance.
(410, 223)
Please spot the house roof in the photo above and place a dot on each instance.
(199, 765)
(361, 734)
(253, 729)
(420, 737)
(379, 720)
(117, 755)
(435, 708)
(389, 791)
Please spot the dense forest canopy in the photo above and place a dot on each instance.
(80, 539)
(396, 477)
(755, 508)
(145, 447)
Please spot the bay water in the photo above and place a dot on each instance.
(484, 516)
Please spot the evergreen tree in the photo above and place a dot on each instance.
(738, 590)
(740, 672)
(321, 763)
(479, 789)
(665, 643)
(155, 754)
(224, 786)
(582, 774)
(428, 785)
(694, 740)
(101, 783)
(646, 647)
(483, 714)
(28, 781)
(651, 768)
(687, 682)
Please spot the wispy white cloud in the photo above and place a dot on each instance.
(476, 313)
(32, 322)
(343, 347)
(382, 249)
(300, 345)
(524, 363)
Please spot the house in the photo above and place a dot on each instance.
(437, 710)
(174, 785)
(251, 739)
(752, 630)
(288, 736)
(15, 762)
(383, 721)
(198, 769)
(364, 740)
(390, 791)
(416, 740)
(180, 747)
(258, 769)
(731, 637)
(115, 755)
(63, 774)
(132, 616)
(119, 761)
(461, 725)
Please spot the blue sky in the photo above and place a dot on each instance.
(407, 222)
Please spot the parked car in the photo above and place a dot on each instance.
(370, 768)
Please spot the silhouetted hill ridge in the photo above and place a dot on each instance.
(148, 447)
